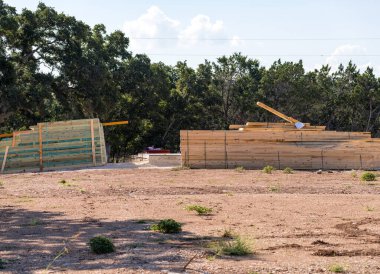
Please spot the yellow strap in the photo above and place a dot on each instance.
(115, 123)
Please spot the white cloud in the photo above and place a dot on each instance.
(201, 27)
(152, 24)
(343, 54)
(236, 42)
(184, 36)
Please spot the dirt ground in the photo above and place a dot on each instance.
(296, 223)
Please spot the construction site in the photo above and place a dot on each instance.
(293, 144)
(57, 191)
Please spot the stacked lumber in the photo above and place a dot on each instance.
(55, 145)
(281, 145)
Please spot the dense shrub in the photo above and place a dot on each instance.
(368, 176)
(167, 226)
(101, 245)
(268, 169)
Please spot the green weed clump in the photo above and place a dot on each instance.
(274, 188)
(288, 170)
(64, 183)
(235, 247)
(228, 233)
(35, 222)
(368, 176)
(101, 245)
(354, 174)
(239, 169)
(268, 169)
(167, 226)
(201, 210)
(336, 268)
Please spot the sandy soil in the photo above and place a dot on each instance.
(296, 223)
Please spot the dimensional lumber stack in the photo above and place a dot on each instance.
(281, 145)
(55, 145)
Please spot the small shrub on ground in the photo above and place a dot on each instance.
(1, 184)
(64, 183)
(274, 188)
(268, 169)
(201, 210)
(239, 169)
(288, 170)
(141, 221)
(368, 176)
(167, 226)
(210, 258)
(336, 268)
(354, 174)
(101, 245)
(235, 247)
(228, 233)
(35, 222)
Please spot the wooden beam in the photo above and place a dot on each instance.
(277, 113)
(93, 142)
(5, 135)
(4, 159)
(40, 146)
(115, 123)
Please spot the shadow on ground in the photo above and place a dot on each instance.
(40, 240)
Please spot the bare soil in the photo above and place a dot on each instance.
(295, 223)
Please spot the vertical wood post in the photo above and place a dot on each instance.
(40, 146)
(225, 151)
(205, 154)
(187, 148)
(93, 142)
(14, 139)
(4, 159)
(322, 158)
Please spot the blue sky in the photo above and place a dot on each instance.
(318, 32)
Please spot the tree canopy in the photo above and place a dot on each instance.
(55, 67)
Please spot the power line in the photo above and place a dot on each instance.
(256, 39)
(268, 55)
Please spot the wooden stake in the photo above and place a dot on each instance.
(4, 159)
(14, 139)
(93, 142)
(205, 155)
(322, 158)
(189, 261)
(188, 147)
(225, 151)
(40, 146)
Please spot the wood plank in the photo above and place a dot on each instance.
(4, 159)
(93, 142)
(40, 146)
(299, 149)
